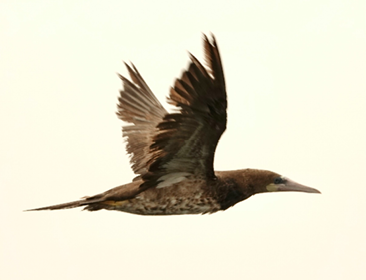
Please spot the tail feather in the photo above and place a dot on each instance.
(67, 205)
(110, 200)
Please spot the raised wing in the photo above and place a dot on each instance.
(185, 142)
(139, 107)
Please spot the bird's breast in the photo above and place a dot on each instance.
(187, 197)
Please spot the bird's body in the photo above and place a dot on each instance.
(172, 153)
(189, 197)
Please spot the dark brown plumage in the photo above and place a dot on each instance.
(172, 154)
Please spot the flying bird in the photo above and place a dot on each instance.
(172, 154)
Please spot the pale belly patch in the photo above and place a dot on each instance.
(165, 205)
(184, 197)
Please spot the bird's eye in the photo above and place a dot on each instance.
(278, 180)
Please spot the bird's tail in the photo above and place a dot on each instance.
(68, 205)
(110, 200)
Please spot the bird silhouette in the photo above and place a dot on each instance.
(172, 154)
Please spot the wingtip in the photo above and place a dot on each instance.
(211, 39)
(127, 65)
(130, 66)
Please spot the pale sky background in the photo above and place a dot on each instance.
(296, 82)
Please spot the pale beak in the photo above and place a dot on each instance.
(292, 186)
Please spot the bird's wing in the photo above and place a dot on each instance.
(142, 110)
(185, 142)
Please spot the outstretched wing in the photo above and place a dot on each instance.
(139, 107)
(185, 142)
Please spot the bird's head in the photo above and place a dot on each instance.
(283, 184)
(254, 181)
(242, 184)
(268, 181)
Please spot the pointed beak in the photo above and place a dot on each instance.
(292, 186)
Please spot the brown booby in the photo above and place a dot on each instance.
(172, 154)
